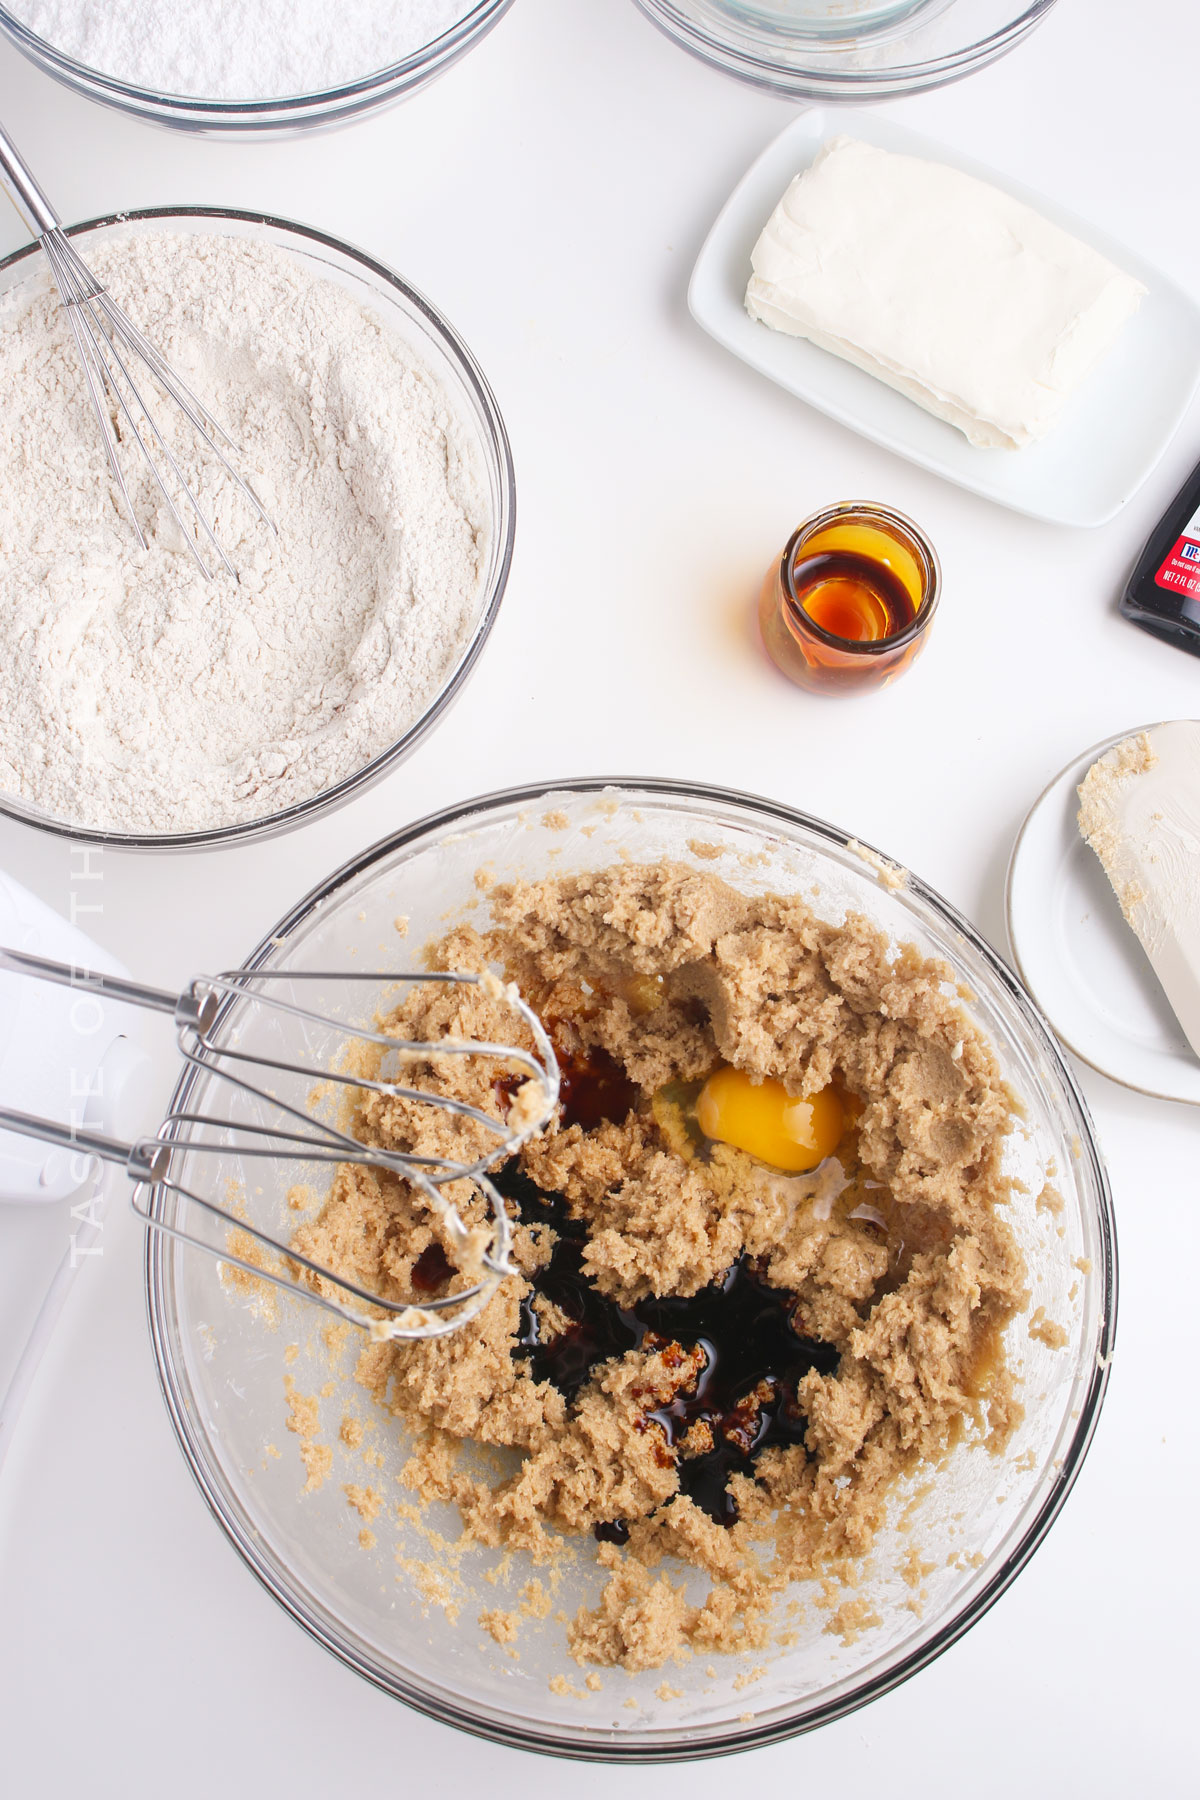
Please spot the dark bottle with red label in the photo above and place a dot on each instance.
(1163, 595)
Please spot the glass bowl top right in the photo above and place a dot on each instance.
(850, 50)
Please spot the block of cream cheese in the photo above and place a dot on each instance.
(955, 293)
(1139, 809)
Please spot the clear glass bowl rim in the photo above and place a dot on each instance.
(276, 113)
(660, 1746)
(832, 83)
(496, 448)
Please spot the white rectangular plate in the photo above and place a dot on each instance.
(1111, 434)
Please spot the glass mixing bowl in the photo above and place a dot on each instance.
(850, 50)
(223, 1367)
(271, 117)
(423, 330)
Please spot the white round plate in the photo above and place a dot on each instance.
(1080, 960)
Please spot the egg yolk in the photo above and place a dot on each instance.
(762, 1118)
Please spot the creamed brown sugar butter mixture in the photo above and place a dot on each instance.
(712, 1354)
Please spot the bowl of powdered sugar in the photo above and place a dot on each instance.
(144, 706)
(259, 66)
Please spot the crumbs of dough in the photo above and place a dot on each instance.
(351, 1432)
(638, 1624)
(433, 1581)
(666, 1692)
(1046, 1331)
(559, 1684)
(263, 1293)
(915, 1502)
(914, 1570)
(889, 874)
(556, 820)
(535, 1600)
(367, 1539)
(501, 1625)
(747, 1677)
(304, 1420)
(851, 1619)
(975, 1559)
(669, 971)
(366, 1501)
(705, 852)
(318, 1464)
(1050, 1200)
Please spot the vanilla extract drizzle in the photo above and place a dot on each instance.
(754, 1351)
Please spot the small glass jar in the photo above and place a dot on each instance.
(849, 603)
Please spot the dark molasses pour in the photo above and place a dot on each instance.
(593, 1087)
(745, 1397)
(432, 1270)
(599, 1328)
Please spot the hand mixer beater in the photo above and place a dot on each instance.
(212, 1016)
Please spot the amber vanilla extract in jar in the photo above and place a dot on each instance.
(850, 600)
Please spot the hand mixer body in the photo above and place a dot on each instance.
(79, 1056)
(70, 1055)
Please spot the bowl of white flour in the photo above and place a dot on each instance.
(143, 706)
(260, 66)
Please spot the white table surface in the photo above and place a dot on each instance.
(550, 194)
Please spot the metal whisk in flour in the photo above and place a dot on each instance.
(135, 695)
